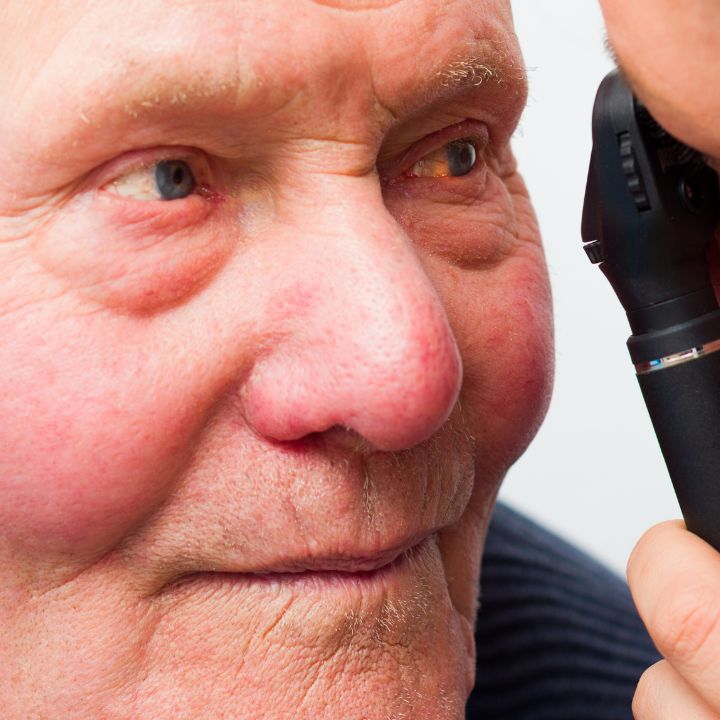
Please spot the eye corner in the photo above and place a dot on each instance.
(212, 195)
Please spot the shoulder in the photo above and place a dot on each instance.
(557, 634)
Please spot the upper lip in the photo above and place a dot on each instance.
(341, 563)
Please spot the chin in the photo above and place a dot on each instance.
(378, 644)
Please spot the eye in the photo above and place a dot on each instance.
(163, 180)
(454, 159)
(174, 179)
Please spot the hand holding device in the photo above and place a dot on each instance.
(670, 51)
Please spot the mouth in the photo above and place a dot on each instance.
(365, 572)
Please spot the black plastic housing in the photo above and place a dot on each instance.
(652, 206)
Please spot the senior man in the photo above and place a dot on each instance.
(275, 322)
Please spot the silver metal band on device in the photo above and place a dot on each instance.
(678, 358)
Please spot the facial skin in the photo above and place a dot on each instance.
(220, 414)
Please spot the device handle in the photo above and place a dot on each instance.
(684, 404)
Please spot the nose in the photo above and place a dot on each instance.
(363, 341)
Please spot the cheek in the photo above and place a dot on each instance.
(90, 437)
(137, 259)
(524, 364)
(503, 323)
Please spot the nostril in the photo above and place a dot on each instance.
(338, 437)
(345, 438)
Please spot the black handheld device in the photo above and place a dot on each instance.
(652, 206)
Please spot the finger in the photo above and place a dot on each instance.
(675, 581)
(669, 51)
(662, 694)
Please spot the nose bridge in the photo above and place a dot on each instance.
(373, 275)
(373, 350)
(381, 313)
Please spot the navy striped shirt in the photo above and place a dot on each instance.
(558, 637)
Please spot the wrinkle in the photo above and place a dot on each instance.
(296, 519)
(269, 629)
(368, 491)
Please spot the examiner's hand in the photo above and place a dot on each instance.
(675, 581)
(670, 53)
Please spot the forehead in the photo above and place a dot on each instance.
(234, 41)
(244, 18)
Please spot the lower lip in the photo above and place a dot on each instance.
(327, 579)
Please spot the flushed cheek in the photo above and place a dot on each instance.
(90, 437)
(503, 324)
(501, 316)
(507, 344)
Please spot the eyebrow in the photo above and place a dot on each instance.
(231, 92)
(485, 63)
(488, 68)
(471, 71)
(115, 103)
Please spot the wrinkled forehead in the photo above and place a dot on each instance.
(229, 41)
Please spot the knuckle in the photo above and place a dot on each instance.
(686, 624)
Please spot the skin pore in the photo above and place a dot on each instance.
(251, 437)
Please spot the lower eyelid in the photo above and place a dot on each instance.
(470, 189)
(148, 217)
(472, 231)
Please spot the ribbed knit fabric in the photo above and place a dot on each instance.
(558, 637)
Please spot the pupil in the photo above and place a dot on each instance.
(174, 179)
(461, 157)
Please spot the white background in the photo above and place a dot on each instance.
(594, 473)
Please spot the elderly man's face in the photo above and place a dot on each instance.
(274, 322)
